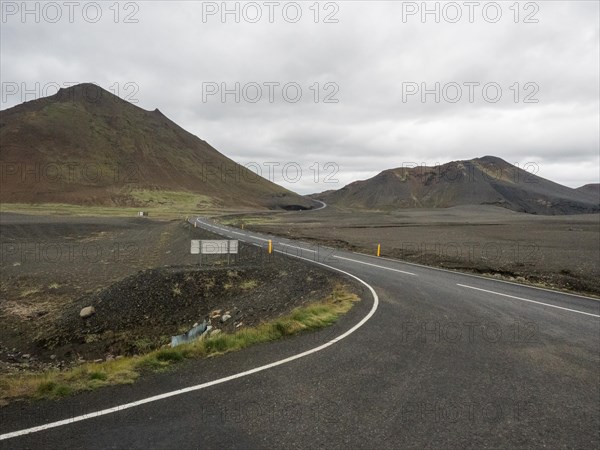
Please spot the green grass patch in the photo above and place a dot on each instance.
(168, 206)
(71, 210)
(165, 210)
(56, 384)
(98, 376)
(248, 284)
(29, 291)
(173, 199)
(52, 389)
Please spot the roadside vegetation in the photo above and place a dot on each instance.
(56, 384)
(158, 204)
(83, 210)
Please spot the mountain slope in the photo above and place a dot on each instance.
(85, 145)
(592, 189)
(481, 181)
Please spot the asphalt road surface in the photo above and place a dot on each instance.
(428, 359)
(323, 205)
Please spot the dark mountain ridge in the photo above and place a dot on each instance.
(481, 181)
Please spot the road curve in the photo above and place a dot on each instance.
(448, 360)
(323, 205)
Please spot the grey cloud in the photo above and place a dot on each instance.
(170, 53)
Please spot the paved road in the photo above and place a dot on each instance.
(323, 205)
(447, 360)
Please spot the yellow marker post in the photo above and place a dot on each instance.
(378, 249)
(270, 246)
(242, 226)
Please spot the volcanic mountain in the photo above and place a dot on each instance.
(481, 181)
(592, 189)
(85, 145)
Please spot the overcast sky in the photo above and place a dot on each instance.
(365, 64)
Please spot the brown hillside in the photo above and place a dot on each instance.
(481, 181)
(86, 146)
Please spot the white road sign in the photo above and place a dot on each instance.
(214, 247)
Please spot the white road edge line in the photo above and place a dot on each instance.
(527, 300)
(374, 265)
(400, 261)
(259, 238)
(299, 248)
(214, 382)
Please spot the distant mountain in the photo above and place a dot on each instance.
(592, 189)
(85, 145)
(481, 181)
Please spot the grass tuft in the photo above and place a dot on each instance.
(52, 389)
(56, 384)
(248, 284)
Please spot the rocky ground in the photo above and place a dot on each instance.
(551, 251)
(135, 300)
